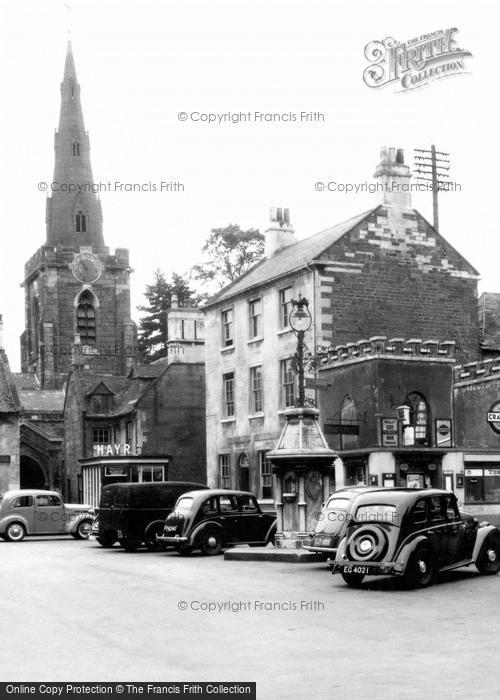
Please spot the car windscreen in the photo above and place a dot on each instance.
(377, 513)
(184, 504)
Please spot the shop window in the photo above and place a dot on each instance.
(355, 474)
(417, 432)
(482, 485)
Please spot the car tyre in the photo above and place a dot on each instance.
(421, 568)
(211, 542)
(82, 531)
(15, 532)
(151, 542)
(106, 540)
(488, 559)
(353, 580)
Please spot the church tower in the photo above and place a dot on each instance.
(77, 294)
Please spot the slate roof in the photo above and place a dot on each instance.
(489, 321)
(288, 259)
(127, 390)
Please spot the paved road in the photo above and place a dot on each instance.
(71, 610)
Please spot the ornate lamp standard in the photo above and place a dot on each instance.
(300, 321)
(302, 460)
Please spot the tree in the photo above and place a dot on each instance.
(153, 326)
(229, 252)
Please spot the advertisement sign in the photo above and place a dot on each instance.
(390, 436)
(443, 432)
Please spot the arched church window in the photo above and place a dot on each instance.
(80, 222)
(76, 148)
(419, 417)
(86, 318)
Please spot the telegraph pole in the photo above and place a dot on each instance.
(430, 168)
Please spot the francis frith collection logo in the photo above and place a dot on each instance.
(414, 63)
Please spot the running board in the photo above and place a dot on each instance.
(465, 562)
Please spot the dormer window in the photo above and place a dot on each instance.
(80, 222)
(76, 148)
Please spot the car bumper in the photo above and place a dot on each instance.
(320, 550)
(386, 568)
(171, 539)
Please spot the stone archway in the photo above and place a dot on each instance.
(32, 475)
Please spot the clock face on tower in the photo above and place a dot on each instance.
(86, 267)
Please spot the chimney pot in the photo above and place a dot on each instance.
(400, 156)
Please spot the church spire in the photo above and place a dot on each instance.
(74, 216)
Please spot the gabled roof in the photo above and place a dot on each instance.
(288, 259)
(418, 243)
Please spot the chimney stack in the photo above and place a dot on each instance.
(1, 332)
(394, 176)
(280, 233)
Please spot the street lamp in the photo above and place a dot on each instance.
(300, 322)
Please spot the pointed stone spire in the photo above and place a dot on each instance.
(74, 216)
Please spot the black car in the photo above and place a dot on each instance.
(332, 521)
(135, 513)
(215, 519)
(414, 533)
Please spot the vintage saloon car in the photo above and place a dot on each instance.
(34, 512)
(415, 533)
(333, 519)
(215, 519)
(134, 513)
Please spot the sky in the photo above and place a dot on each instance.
(140, 64)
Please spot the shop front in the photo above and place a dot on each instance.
(99, 471)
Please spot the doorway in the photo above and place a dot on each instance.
(244, 472)
(32, 475)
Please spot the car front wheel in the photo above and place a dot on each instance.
(15, 532)
(211, 542)
(82, 531)
(488, 560)
(421, 568)
(353, 580)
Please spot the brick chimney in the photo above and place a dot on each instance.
(280, 233)
(395, 176)
(1, 332)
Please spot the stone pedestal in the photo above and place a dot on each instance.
(302, 464)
